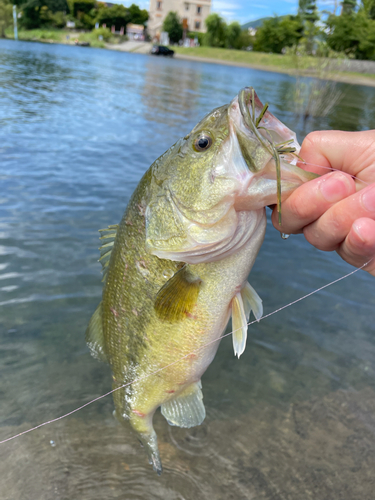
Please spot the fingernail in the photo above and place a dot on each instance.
(357, 227)
(334, 187)
(368, 199)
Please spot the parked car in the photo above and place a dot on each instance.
(160, 50)
(81, 44)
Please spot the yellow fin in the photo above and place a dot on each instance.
(94, 335)
(178, 296)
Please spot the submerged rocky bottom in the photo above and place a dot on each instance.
(323, 448)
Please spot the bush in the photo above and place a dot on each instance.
(104, 32)
(58, 20)
(196, 34)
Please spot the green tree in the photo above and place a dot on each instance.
(342, 35)
(308, 11)
(137, 15)
(117, 16)
(39, 13)
(276, 33)
(245, 40)
(216, 31)
(348, 6)
(5, 16)
(368, 7)
(352, 33)
(83, 12)
(233, 36)
(77, 7)
(173, 26)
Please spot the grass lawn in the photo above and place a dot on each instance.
(278, 62)
(60, 36)
(239, 56)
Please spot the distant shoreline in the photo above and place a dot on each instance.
(351, 78)
(278, 63)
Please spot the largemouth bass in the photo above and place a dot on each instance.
(176, 267)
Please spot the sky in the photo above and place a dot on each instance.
(245, 10)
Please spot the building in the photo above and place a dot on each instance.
(135, 31)
(192, 13)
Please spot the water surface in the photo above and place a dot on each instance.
(292, 419)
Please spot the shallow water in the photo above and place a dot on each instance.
(292, 419)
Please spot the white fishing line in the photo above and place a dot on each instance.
(334, 170)
(180, 359)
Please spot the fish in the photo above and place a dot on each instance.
(175, 268)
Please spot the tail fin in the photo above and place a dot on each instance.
(141, 424)
(150, 443)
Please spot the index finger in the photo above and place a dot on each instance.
(350, 152)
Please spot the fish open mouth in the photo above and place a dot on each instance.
(247, 99)
(274, 138)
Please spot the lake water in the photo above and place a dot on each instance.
(293, 419)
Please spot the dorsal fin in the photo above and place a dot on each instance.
(108, 236)
(178, 296)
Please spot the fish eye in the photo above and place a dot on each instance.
(202, 142)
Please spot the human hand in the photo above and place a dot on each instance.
(335, 211)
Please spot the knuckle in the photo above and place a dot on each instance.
(324, 236)
(312, 140)
(299, 209)
(315, 240)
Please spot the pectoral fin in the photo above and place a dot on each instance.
(94, 335)
(242, 305)
(252, 302)
(187, 410)
(178, 296)
(239, 325)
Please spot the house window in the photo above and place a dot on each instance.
(158, 5)
(186, 6)
(199, 9)
(197, 25)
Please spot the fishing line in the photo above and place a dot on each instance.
(335, 170)
(180, 359)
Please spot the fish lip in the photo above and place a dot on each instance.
(243, 107)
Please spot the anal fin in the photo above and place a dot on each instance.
(94, 335)
(187, 410)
